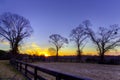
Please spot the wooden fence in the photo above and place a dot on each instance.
(24, 68)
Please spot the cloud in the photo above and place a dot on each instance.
(52, 51)
(33, 49)
(4, 43)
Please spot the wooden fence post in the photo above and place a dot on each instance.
(35, 73)
(20, 67)
(58, 77)
(26, 69)
(16, 64)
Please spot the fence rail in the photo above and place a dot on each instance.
(23, 68)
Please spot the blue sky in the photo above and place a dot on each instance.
(61, 16)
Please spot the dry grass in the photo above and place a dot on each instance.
(7, 71)
(92, 71)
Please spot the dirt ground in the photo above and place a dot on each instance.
(7, 72)
(85, 70)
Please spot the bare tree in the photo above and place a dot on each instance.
(105, 39)
(14, 29)
(58, 42)
(78, 35)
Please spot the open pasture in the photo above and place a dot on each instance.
(92, 71)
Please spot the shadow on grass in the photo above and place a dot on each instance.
(8, 72)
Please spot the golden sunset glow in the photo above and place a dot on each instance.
(46, 55)
(35, 49)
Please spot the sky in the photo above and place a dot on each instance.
(60, 16)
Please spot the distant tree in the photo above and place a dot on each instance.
(14, 28)
(105, 39)
(52, 51)
(78, 35)
(58, 41)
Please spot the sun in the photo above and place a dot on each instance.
(46, 55)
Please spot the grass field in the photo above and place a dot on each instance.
(7, 71)
(92, 71)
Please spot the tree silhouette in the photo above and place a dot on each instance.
(105, 39)
(58, 42)
(14, 28)
(78, 35)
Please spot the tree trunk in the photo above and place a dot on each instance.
(56, 54)
(102, 58)
(78, 54)
(14, 49)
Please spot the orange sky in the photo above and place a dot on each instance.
(35, 49)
